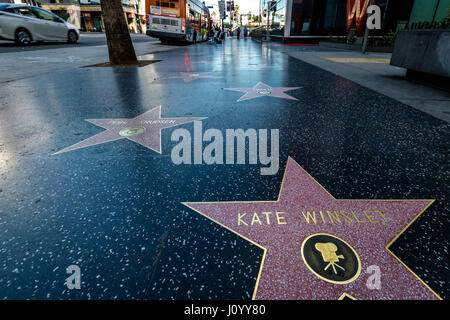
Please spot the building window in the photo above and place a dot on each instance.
(318, 17)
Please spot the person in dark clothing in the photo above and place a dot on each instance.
(239, 33)
(217, 32)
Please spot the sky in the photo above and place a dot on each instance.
(245, 5)
(248, 5)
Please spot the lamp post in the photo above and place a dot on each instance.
(260, 13)
(269, 3)
(366, 34)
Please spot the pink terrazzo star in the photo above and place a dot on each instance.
(280, 228)
(192, 76)
(144, 129)
(263, 90)
(258, 67)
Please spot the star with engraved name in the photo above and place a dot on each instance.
(304, 209)
(192, 76)
(144, 130)
(264, 90)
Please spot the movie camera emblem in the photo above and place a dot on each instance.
(331, 258)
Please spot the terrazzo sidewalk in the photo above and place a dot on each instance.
(116, 205)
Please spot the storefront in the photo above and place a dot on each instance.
(306, 18)
(86, 15)
(322, 18)
(91, 21)
(69, 12)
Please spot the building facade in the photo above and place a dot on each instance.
(322, 18)
(86, 14)
(432, 11)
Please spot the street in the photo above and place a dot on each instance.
(47, 57)
(86, 39)
(129, 174)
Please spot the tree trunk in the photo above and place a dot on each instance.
(120, 46)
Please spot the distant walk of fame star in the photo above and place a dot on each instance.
(144, 130)
(264, 90)
(258, 67)
(318, 247)
(202, 62)
(192, 76)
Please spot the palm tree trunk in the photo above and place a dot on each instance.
(120, 46)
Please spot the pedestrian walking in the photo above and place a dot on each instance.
(239, 33)
(218, 35)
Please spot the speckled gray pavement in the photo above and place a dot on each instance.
(380, 77)
(115, 209)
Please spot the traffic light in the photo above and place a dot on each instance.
(273, 6)
(265, 13)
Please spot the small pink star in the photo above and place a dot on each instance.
(258, 67)
(144, 129)
(264, 90)
(191, 76)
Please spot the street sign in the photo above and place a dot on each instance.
(222, 7)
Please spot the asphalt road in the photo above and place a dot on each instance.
(18, 62)
(86, 39)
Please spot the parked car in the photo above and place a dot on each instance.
(25, 24)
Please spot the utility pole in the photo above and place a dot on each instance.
(222, 12)
(366, 34)
(260, 13)
(268, 20)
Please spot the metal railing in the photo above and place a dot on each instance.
(259, 34)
